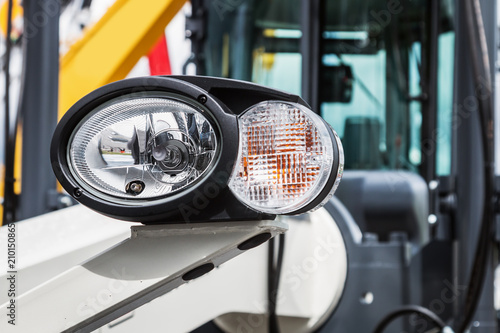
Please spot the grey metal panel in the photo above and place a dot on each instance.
(310, 49)
(376, 267)
(382, 202)
(39, 104)
(429, 82)
(468, 162)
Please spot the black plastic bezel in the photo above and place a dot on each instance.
(154, 211)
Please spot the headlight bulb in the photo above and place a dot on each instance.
(172, 156)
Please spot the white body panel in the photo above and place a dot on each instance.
(313, 276)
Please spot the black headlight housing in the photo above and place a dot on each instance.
(219, 102)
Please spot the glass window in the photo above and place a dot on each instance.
(445, 102)
(360, 122)
(371, 65)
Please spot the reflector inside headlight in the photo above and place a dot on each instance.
(285, 158)
(143, 146)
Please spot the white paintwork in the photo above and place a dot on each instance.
(236, 292)
(313, 276)
(116, 281)
(49, 244)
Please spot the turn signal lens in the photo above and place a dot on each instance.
(286, 158)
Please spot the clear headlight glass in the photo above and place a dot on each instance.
(143, 146)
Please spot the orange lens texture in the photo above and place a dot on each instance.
(283, 157)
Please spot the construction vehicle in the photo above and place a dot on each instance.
(409, 241)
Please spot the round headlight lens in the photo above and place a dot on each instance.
(143, 146)
(285, 158)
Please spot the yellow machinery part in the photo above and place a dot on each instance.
(110, 49)
(17, 12)
(18, 157)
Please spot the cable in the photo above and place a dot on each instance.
(410, 309)
(274, 273)
(475, 28)
(9, 198)
(270, 287)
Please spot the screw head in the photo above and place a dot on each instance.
(77, 193)
(135, 187)
(202, 99)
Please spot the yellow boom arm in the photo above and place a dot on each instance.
(110, 49)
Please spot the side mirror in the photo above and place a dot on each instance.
(336, 84)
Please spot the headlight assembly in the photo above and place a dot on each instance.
(174, 149)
